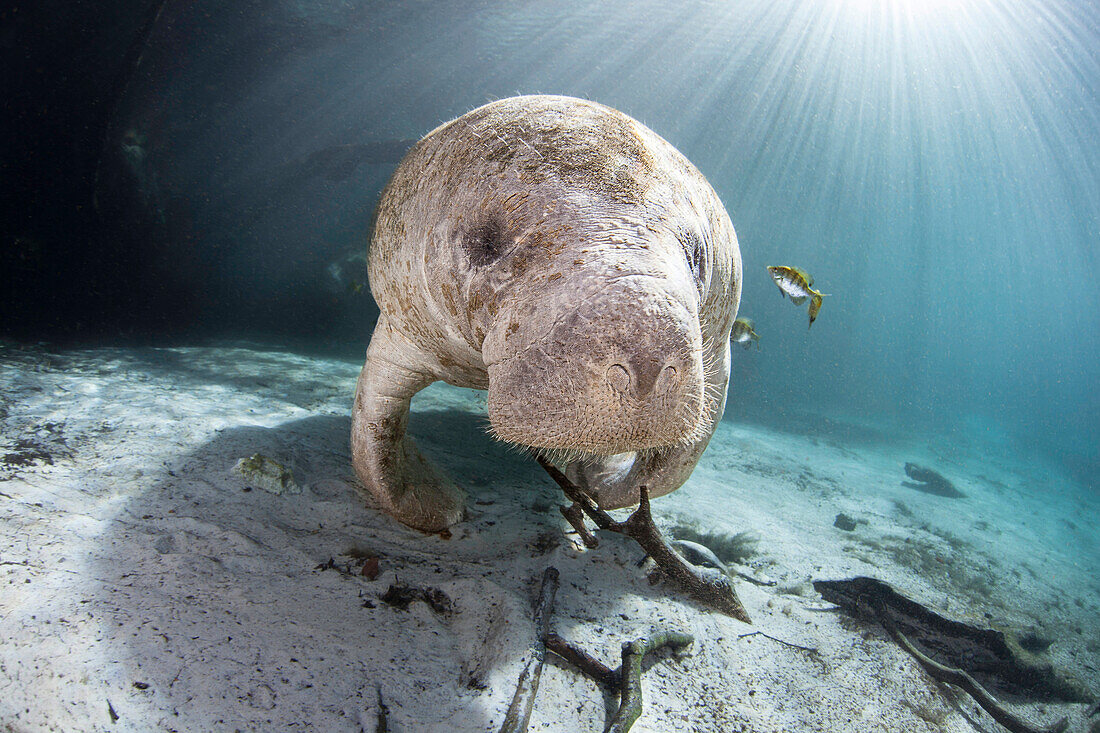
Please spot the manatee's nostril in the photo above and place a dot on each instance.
(618, 377)
(668, 379)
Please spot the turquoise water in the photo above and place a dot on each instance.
(935, 165)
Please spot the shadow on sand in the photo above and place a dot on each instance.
(219, 601)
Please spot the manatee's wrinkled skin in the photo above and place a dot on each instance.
(566, 258)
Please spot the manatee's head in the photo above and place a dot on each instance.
(592, 336)
(608, 366)
(588, 266)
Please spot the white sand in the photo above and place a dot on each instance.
(138, 556)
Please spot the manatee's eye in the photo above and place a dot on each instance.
(484, 243)
(696, 256)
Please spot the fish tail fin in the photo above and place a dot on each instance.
(815, 307)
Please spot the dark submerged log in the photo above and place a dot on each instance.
(966, 653)
(930, 482)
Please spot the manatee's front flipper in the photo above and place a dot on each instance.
(386, 460)
(614, 480)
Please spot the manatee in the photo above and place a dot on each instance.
(566, 258)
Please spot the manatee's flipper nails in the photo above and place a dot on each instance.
(403, 482)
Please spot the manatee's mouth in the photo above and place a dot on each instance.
(572, 406)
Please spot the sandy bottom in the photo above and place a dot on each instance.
(146, 585)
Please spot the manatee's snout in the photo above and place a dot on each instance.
(642, 377)
(620, 372)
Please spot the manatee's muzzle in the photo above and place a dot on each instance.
(623, 374)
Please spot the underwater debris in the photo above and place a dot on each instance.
(400, 596)
(930, 482)
(844, 522)
(628, 677)
(371, 568)
(382, 725)
(575, 516)
(959, 678)
(735, 549)
(519, 711)
(630, 689)
(990, 656)
(269, 475)
(808, 649)
(714, 591)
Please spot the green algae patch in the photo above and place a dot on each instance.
(265, 473)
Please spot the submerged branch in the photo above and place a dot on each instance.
(519, 712)
(627, 679)
(583, 661)
(630, 687)
(808, 649)
(575, 516)
(714, 591)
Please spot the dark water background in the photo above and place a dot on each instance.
(179, 170)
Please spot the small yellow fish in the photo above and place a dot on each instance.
(743, 333)
(799, 285)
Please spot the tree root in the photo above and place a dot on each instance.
(630, 688)
(808, 649)
(714, 592)
(575, 516)
(585, 662)
(962, 679)
(382, 725)
(519, 712)
(627, 679)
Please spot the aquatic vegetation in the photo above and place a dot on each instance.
(902, 508)
(731, 549)
(265, 473)
(844, 522)
(943, 559)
